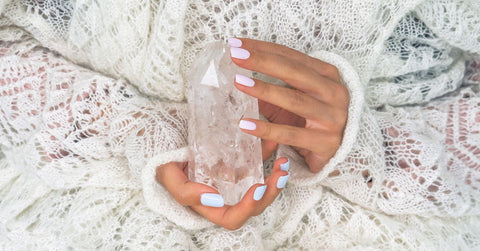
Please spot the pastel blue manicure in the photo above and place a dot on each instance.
(259, 192)
(285, 166)
(212, 200)
(282, 181)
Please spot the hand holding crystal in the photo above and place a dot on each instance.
(206, 201)
(311, 116)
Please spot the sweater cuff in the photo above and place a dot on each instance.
(300, 173)
(159, 199)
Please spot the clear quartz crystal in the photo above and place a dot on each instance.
(221, 155)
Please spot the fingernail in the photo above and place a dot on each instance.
(247, 125)
(282, 181)
(212, 200)
(259, 192)
(239, 53)
(234, 42)
(285, 166)
(244, 80)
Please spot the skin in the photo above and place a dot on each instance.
(311, 117)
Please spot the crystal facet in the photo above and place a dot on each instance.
(221, 155)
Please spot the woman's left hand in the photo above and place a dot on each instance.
(311, 117)
(207, 201)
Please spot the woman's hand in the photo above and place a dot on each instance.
(311, 117)
(207, 202)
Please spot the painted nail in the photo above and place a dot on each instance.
(244, 80)
(259, 192)
(285, 166)
(282, 181)
(247, 125)
(234, 42)
(239, 53)
(212, 200)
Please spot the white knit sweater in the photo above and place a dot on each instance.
(92, 101)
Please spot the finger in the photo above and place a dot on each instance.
(275, 183)
(186, 192)
(289, 135)
(268, 148)
(291, 100)
(321, 67)
(315, 162)
(281, 164)
(256, 199)
(291, 72)
(288, 70)
(232, 217)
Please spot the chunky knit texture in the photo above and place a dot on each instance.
(92, 100)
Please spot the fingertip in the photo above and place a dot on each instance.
(274, 186)
(282, 181)
(259, 192)
(239, 54)
(285, 166)
(273, 180)
(247, 125)
(192, 193)
(212, 200)
(282, 164)
(244, 81)
(234, 42)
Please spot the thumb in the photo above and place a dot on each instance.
(186, 192)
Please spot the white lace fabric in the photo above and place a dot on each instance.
(92, 101)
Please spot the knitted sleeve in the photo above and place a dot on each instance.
(413, 146)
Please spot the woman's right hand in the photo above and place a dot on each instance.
(207, 201)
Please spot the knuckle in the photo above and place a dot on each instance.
(183, 203)
(316, 169)
(317, 162)
(263, 89)
(289, 137)
(162, 173)
(295, 70)
(333, 140)
(253, 61)
(266, 132)
(258, 211)
(330, 70)
(181, 198)
(297, 98)
(286, 135)
(284, 50)
(343, 93)
(233, 225)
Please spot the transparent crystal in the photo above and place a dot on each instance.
(221, 155)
